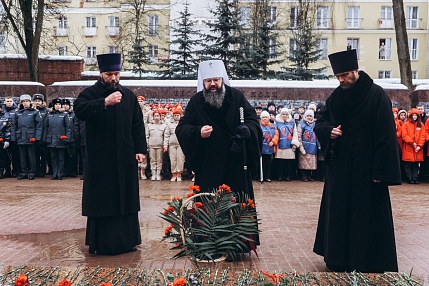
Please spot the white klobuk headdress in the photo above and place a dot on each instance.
(211, 69)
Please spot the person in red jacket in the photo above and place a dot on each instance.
(413, 137)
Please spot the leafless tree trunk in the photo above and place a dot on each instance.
(20, 16)
(403, 49)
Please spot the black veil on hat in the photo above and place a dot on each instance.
(109, 62)
(344, 61)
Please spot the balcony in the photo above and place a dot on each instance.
(413, 23)
(354, 23)
(386, 24)
(90, 31)
(113, 31)
(61, 32)
(90, 61)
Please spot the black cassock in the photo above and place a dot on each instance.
(355, 229)
(211, 158)
(110, 199)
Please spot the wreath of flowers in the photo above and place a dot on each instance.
(212, 225)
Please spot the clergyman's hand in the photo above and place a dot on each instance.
(206, 131)
(113, 98)
(140, 158)
(336, 132)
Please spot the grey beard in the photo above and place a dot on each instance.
(215, 99)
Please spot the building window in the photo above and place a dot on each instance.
(2, 40)
(113, 49)
(61, 27)
(273, 48)
(354, 43)
(322, 17)
(322, 45)
(113, 21)
(62, 23)
(384, 74)
(90, 22)
(386, 17)
(153, 25)
(411, 15)
(153, 51)
(414, 74)
(91, 55)
(273, 14)
(292, 47)
(353, 17)
(245, 16)
(62, 51)
(385, 49)
(293, 17)
(413, 44)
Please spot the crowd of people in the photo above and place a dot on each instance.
(39, 138)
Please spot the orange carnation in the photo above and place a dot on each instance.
(168, 229)
(64, 282)
(1, 139)
(199, 204)
(32, 139)
(22, 280)
(179, 282)
(195, 188)
(225, 187)
(106, 284)
(63, 137)
(189, 195)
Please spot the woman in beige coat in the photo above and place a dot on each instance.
(177, 158)
(157, 144)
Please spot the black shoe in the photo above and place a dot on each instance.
(31, 177)
(287, 179)
(20, 177)
(53, 178)
(267, 180)
(280, 179)
(59, 178)
(416, 182)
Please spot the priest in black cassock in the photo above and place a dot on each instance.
(356, 130)
(115, 144)
(212, 137)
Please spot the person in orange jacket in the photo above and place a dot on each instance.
(269, 144)
(413, 137)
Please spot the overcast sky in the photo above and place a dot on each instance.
(198, 8)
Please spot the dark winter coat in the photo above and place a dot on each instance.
(27, 124)
(114, 135)
(211, 158)
(355, 228)
(57, 125)
(4, 126)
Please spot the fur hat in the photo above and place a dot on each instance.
(265, 114)
(65, 101)
(38, 96)
(312, 105)
(309, 112)
(284, 111)
(55, 101)
(24, 97)
(271, 103)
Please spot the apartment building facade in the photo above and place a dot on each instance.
(89, 27)
(367, 26)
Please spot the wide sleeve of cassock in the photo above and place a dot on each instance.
(386, 156)
(138, 129)
(324, 126)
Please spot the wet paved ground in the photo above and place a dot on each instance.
(41, 225)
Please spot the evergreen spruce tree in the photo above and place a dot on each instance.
(182, 63)
(138, 57)
(306, 50)
(226, 36)
(264, 40)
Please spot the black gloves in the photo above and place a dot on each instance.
(242, 131)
